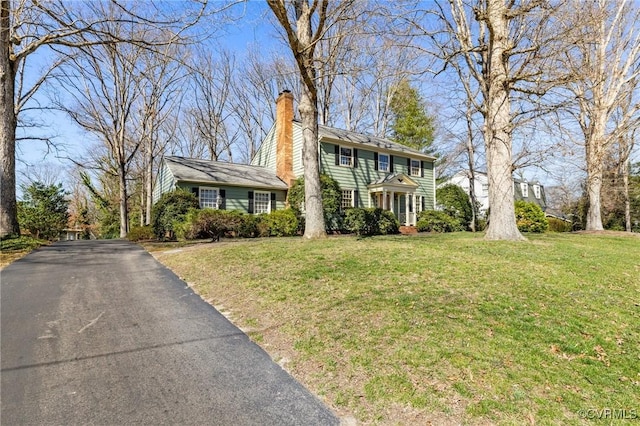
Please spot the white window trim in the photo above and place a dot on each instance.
(351, 161)
(524, 187)
(351, 191)
(536, 191)
(255, 197)
(209, 188)
(380, 162)
(411, 168)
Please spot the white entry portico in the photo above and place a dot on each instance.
(396, 192)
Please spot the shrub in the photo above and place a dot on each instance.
(211, 223)
(370, 221)
(357, 220)
(140, 233)
(559, 225)
(43, 213)
(452, 200)
(248, 227)
(530, 217)
(170, 210)
(331, 200)
(281, 223)
(437, 221)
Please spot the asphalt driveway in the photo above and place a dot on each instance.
(100, 333)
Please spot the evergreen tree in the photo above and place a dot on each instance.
(43, 212)
(411, 125)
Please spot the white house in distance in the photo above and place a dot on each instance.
(522, 189)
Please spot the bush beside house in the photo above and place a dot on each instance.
(437, 221)
(454, 201)
(370, 221)
(171, 209)
(530, 217)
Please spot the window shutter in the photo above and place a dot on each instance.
(273, 201)
(422, 169)
(355, 158)
(409, 165)
(250, 209)
(375, 160)
(337, 151)
(355, 198)
(422, 203)
(391, 164)
(223, 199)
(195, 191)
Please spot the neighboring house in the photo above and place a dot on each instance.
(372, 172)
(522, 190)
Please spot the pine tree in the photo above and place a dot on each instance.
(44, 210)
(411, 125)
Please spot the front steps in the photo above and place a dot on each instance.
(408, 230)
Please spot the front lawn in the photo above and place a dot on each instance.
(12, 249)
(441, 328)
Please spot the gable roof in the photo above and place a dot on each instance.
(394, 179)
(218, 172)
(370, 142)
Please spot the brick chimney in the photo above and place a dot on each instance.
(284, 137)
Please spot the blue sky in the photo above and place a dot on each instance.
(254, 27)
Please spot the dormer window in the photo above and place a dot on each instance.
(524, 186)
(536, 191)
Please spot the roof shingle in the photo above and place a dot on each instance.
(195, 170)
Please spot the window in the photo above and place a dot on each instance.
(415, 168)
(261, 202)
(525, 189)
(209, 198)
(347, 199)
(536, 191)
(346, 156)
(485, 189)
(383, 162)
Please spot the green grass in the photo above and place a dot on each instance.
(442, 328)
(12, 249)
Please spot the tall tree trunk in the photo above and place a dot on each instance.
(497, 128)
(302, 43)
(472, 172)
(148, 183)
(314, 224)
(626, 196)
(124, 217)
(595, 158)
(8, 122)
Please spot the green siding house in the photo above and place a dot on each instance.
(222, 185)
(371, 171)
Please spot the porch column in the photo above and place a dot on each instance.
(384, 199)
(369, 194)
(392, 202)
(406, 209)
(415, 208)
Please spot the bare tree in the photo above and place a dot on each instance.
(602, 59)
(104, 83)
(155, 122)
(305, 24)
(212, 85)
(497, 49)
(255, 85)
(26, 27)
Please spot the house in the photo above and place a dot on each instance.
(371, 171)
(522, 190)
